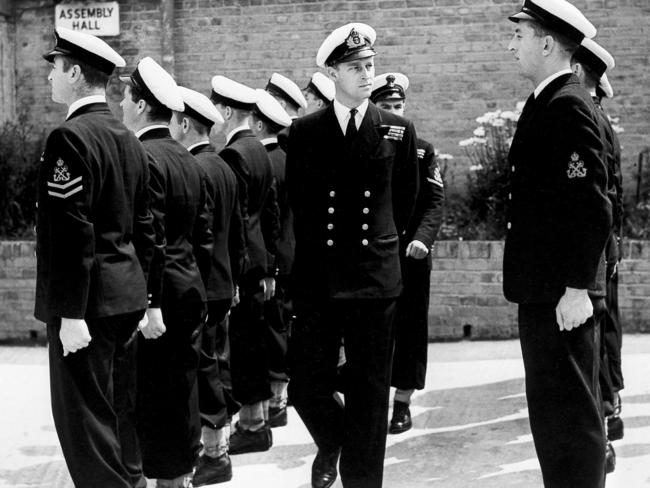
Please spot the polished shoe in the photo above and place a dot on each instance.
(610, 458)
(277, 416)
(323, 470)
(212, 470)
(244, 441)
(401, 421)
(615, 422)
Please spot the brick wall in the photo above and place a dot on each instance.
(453, 50)
(465, 290)
(7, 63)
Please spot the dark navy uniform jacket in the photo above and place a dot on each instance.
(225, 221)
(94, 232)
(559, 215)
(181, 219)
(350, 203)
(285, 241)
(615, 183)
(247, 157)
(427, 216)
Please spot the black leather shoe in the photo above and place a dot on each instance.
(615, 422)
(401, 421)
(277, 416)
(610, 458)
(211, 470)
(323, 470)
(244, 441)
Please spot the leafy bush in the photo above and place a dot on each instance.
(20, 148)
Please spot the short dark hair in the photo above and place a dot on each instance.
(94, 77)
(200, 127)
(566, 44)
(591, 76)
(158, 112)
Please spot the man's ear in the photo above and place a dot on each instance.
(185, 125)
(75, 74)
(142, 106)
(227, 113)
(577, 69)
(548, 45)
(333, 73)
(320, 103)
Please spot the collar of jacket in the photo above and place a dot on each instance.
(157, 133)
(89, 108)
(240, 134)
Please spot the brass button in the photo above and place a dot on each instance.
(364, 242)
(366, 210)
(330, 226)
(366, 193)
(364, 226)
(330, 210)
(332, 194)
(330, 242)
(509, 226)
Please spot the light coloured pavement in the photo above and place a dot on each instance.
(471, 427)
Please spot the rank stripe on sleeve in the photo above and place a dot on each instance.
(65, 195)
(65, 185)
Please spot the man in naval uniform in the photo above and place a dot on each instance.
(169, 349)
(352, 182)
(589, 63)
(559, 220)
(267, 120)
(412, 318)
(249, 160)
(94, 245)
(319, 92)
(191, 128)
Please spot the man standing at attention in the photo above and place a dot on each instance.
(352, 181)
(94, 244)
(559, 220)
(412, 318)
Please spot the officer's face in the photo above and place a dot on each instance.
(60, 81)
(314, 102)
(527, 48)
(394, 106)
(129, 109)
(354, 79)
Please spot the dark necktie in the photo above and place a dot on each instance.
(351, 130)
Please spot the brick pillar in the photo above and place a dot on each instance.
(166, 34)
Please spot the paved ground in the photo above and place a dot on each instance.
(471, 427)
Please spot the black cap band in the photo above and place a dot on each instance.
(276, 91)
(201, 119)
(386, 91)
(314, 89)
(143, 89)
(230, 102)
(67, 48)
(585, 56)
(551, 21)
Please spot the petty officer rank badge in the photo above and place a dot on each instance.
(576, 167)
(393, 132)
(62, 184)
(437, 178)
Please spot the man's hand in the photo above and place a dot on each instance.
(574, 309)
(268, 287)
(416, 250)
(235, 299)
(154, 327)
(74, 335)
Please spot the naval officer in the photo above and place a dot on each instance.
(319, 92)
(169, 348)
(412, 318)
(94, 244)
(352, 181)
(559, 220)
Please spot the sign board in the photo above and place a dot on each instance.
(97, 18)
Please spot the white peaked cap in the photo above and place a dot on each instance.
(270, 108)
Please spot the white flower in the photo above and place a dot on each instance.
(617, 128)
(479, 131)
(444, 156)
(479, 140)
(498, 123)
(508, 115)
(476, 167)
(466, 142)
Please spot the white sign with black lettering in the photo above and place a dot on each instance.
(98, 18)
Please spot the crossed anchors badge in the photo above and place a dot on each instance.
(61, 171)
(576, 167)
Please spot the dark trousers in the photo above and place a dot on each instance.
(358, 428)
(169, 425)
(412, 326)
(562, 390)
(216, 402)
(278, 313)
(613, 337)
(93, 403)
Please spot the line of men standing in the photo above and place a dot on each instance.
(194, 249)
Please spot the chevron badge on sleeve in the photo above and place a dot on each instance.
(62, 184)
(437, 178)
(420, 153)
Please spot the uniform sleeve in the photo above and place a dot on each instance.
(232, 159)
(579, 172)
(157, 195)
(202, 234)
(270, 220)
(429, 205)
(406, 179)
(236, 240)
(144, 237)
(65, 223)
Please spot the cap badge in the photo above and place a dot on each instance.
(576, 167)
(390, 80)
(61, 171)
(354, 40)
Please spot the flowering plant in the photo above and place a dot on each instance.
(489, 172)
